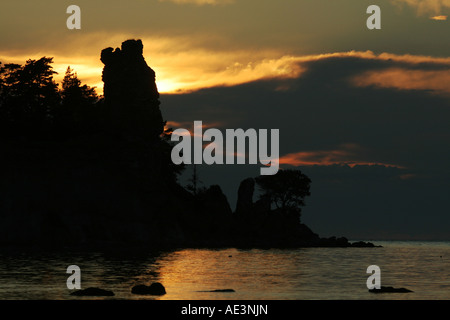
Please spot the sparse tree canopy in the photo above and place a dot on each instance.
(32, 105)
(78, 111)
(29, 95)
(74, 93)
(286, 190)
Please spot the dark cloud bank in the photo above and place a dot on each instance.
(322, 110)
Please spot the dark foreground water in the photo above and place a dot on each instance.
(310, 273)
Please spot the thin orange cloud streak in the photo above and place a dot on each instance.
(425, 6)
(436, 81)
(189, 125)
(327, 158)
(439, 18)
(176, 124)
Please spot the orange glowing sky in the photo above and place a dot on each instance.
(193, 44)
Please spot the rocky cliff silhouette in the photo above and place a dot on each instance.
(130, 90)
(116, 184)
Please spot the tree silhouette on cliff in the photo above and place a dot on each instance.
(28, 98)
(286, 190)
(78, 112)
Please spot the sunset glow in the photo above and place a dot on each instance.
(403, 79)
(327, 158)
(439, 18)
(424, 6)
(188, 70)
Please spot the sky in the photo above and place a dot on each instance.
(364, 113)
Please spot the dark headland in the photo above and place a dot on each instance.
(78, 172)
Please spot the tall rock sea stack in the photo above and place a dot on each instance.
(130, 90)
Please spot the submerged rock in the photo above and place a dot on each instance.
(363, 244)
(93, 292)
(389, 290)
(156, 289)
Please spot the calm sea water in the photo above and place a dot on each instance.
(310, 273)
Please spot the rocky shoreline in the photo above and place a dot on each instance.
(116, 183)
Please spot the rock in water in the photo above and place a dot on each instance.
(92, 292)
(363, 244)
(156, 289)
(389, 290)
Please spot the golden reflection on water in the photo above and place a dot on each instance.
(191, 274)
(314, 273)
(253, 274)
